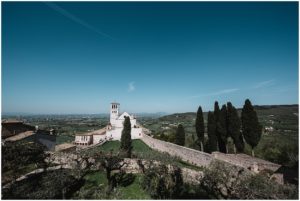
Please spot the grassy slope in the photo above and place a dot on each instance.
(132, 191)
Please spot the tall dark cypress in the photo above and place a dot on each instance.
(216, 115)
(200, 127)
(180, 135)
(126, 146)
(216, 110)
(234, 127)
(251, 128)
(222, 129)
(211, 132)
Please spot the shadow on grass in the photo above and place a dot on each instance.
(124, 179)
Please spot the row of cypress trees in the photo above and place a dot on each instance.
(225, 123)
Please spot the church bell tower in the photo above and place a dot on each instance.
(114, 112)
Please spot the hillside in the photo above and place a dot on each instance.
(276, 145)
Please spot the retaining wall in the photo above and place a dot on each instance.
(131, 166)
(191, 156)
(246, 161)
(203, 159)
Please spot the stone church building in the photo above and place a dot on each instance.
(113, 130)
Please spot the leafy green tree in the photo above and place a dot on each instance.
(211, 132)
(163, 183)
(251, 128)
(56, 184)
(111, 164)
(126, 146)
(234, 127)
(180, 135)
(243, 185)
(222, 129)
(200, 127)
(18, 155)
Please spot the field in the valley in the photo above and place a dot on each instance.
(66, 126)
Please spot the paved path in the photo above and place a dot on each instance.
(37, 171)
(19, 136)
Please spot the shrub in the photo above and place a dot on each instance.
(162, 183)
(225, 181)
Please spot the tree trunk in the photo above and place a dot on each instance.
(234, 149)
(108, 177)
(253, 152)
(63, 193)
(201, 145)
(226, 148)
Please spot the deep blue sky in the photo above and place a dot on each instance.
(149, 56)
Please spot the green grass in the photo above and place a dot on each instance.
(140, 146)
(114, 146)
(95, 178)
(132, 191)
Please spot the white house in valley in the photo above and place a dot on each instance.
(112, 131)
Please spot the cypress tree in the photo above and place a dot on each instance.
(222, 129)
(211, 132)
(180, 135)
(251, 128)
(126, 138)
(216, 111)
(216, 115)
(200, 127)
(234, 127)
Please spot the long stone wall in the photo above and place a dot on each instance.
(203, 159)
(186, 154)
(246, 161)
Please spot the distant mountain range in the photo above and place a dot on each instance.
(141, 114)
(100, 115)
(261, 109)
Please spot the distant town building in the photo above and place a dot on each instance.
(13, 131)
(112, 131)
(13, 127)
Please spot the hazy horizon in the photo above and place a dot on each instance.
(137, 113)
(78, 57)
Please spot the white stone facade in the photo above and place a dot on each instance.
(112, 131)
(83, 139)
(116, 122)
(115, 134)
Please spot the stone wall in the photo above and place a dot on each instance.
(246, 161)
(68, 160)
(203, 159)
(186, 154)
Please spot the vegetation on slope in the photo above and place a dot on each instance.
(279, 145)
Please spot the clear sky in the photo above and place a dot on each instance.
(149, 56)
